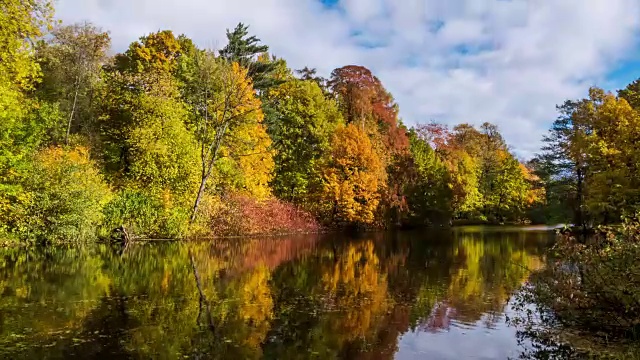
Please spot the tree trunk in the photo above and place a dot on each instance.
(580, 221)
(206, 170)
(199, 197)
(73, 109)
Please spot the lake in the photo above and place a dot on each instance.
(430, 294)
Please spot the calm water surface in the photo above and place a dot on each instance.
(414, 295)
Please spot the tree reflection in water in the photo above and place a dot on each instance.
(280, 298)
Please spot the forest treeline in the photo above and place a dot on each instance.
(170, 140)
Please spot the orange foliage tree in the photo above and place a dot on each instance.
(364, 101)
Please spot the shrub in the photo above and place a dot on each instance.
(240, 215)
(146, 215)
(61, 199)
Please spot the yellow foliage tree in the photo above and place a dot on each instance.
(536, 193)
(352, 177)
(62, 199)
(229, 126)
(614, 156)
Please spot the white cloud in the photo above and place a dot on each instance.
(504, 61)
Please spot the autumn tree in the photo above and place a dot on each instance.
(301, 128)
(228, 120)
(613, 188)
(589, 160)
(24, 123)
(481, 171)
(157, 51)
(536, 198)
(72, 60)
(352, 177)
(435, 134)
(365, 102)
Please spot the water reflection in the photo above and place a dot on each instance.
(379, 296)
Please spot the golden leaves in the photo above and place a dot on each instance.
(352, 177)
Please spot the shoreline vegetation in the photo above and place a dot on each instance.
(587, 297)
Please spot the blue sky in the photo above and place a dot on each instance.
(504, 61)
(330, 3)
(625, 71)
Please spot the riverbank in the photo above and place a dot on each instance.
(313, 228)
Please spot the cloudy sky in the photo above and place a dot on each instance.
(504, 61)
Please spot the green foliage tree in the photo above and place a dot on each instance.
(301, 128)
(510, 197)
(62, 198)
(22, 23)
(562, 163)
(631, 93)
(148, 150)
(311, 74)
(429, 194)
(246, 51)
(157, 51)
(72, 61)
(145, 136)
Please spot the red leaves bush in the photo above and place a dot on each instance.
(240, 215)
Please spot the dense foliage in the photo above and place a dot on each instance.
(179, 139)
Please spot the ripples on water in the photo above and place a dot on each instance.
(413, 295)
